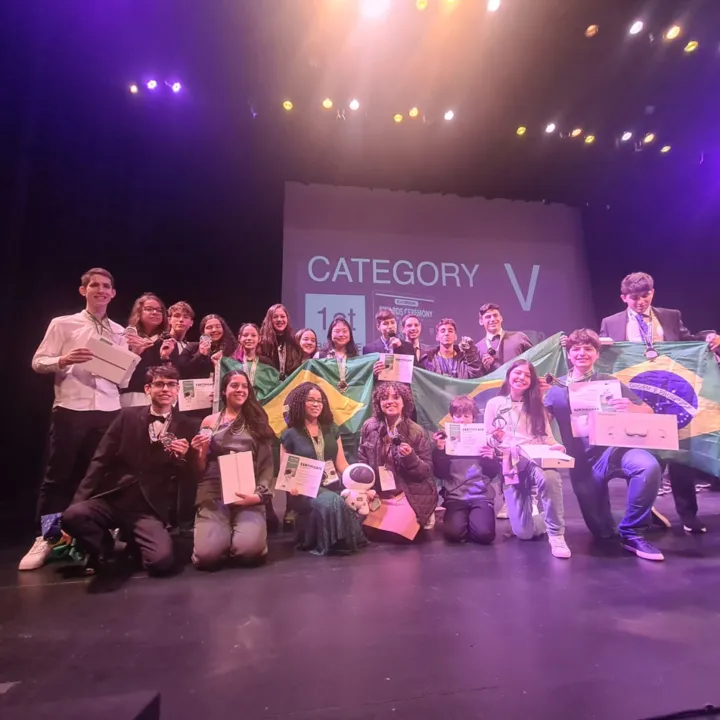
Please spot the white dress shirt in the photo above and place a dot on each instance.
(75, 387)
(632, 330)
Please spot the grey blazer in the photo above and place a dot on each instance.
(615, 326)
(513, 343)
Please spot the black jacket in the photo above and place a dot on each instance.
(126, 455)
(377, 347)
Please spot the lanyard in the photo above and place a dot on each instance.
(155, 436)
(250, 369)
(99, 325)
(447, 366)
(282, 356)
(586, 376)
(318, 443)
(508, 410)
(646, 331)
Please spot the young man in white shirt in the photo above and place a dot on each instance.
(85, 404)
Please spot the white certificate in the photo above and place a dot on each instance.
(112, 362)
(196, 394)
(397, 367)
(300, 473)
(464, 439)
(543, 456)
(237, 476)
(588, 397)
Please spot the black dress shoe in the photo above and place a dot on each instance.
(693, 525)
(658, 520)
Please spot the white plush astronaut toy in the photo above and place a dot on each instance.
(358, 480)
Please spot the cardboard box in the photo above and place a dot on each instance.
(112, 362)
(634, 430)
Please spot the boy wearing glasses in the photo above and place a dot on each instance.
(128, 483)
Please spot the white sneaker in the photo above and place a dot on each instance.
(430, 523)
(502, 512)
(559, 547)
(36, 556)
(535, 509)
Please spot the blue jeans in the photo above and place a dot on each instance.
(590, 485)
(519, 502)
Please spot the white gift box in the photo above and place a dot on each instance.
(544, 457)
(111, 362)
(634, 430)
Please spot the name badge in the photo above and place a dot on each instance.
(330, 475)
(387, 479)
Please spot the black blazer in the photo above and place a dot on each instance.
(191, 364)
(615, 326)
(378, 347)
(126, 455)
(513, 343)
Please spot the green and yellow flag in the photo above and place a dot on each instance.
(684, 381)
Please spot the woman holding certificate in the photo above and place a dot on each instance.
(397, 449)
(325, 523)
(278, 346)
(148, 320)
(237, 529)
(514, 418)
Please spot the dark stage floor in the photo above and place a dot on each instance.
(394, 632)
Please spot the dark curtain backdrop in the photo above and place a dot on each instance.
(184, 197)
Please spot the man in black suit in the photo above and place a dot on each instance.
(498, 346)
(411, 327)
(388, 342)
(129, 481)
(641, 322)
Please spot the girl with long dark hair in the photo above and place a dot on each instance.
(277, 341)
(514, 418)
(147, 323)
(340, 346)
(237, 530)
(325, 524)
(308, 342)
(216, 341)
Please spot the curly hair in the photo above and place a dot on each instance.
(403, 392)
(228, 343)
(136, 315)
(583, 336)
(295, 414)
(533, 405)
(252, 414)
(351, 348)
(269, 341)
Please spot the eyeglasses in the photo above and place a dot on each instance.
(153, 310)
(170, 384)
(310, 401)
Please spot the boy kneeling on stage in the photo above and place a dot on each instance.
(467, 483)
(129, 481)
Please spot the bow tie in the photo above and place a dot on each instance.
(156, 418)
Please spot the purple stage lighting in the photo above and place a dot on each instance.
(152, 84)
(176, 87)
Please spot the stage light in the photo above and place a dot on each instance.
(627, 135)
(398, 118)
(665, 149)
(521, 130)
(550, 128)
(152, 84)
(692, 46)
(421, 4)
(576, 132)
(592, 31)
(353, 104)
(589, 139)
(374, 8)
(287, 105)
(414, 112)
(636, 27)
(673, 32)
(493, 5)
(327, 103)
(134, 89)
(649, 138)
(176, 87)
(449, 115)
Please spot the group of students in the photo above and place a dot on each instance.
(110, 468)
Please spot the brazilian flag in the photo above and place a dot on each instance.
(683, 381)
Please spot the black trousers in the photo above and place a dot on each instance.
(682, 484)
(469, 520)
(90, 522)
(74, 437)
